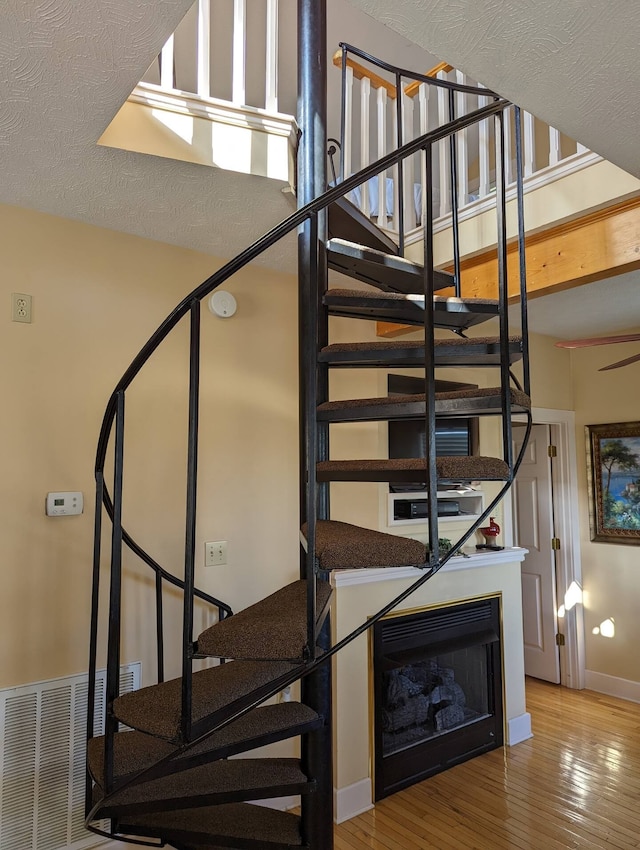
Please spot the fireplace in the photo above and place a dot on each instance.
(437, 689)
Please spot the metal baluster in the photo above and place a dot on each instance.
(115, 595)
(190, 530)
(501, 225)
(429, 362)
(526, 381)
(159, 629)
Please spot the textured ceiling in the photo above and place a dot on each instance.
(574, 63)
(65, 69)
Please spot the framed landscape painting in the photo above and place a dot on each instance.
(613, 470)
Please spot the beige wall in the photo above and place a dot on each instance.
(97, 296)
(611, 573)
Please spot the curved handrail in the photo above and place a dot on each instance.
(414, 75)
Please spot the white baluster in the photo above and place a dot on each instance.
(204, 48)
(407, 172)
(166, 64)
(444, 158)
(462, 144)
(508, 155)
(529, 144)
(382, 149)
(238, 85)
(483, 151)
(348, 129)
(365, 95)
(555, 154)
(271, 84)
(423, 100)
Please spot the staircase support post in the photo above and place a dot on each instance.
(317, 808)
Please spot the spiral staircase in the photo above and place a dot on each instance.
(162, 772)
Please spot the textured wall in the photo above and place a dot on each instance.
(574, 64)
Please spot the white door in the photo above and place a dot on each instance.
(534, 530)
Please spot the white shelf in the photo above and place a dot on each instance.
(470, 506)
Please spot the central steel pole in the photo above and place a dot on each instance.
(317, 808)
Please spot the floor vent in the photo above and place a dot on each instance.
(42, 760)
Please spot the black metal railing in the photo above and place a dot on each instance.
(400, 77)
(114, 418)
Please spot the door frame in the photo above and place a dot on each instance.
(568, 564)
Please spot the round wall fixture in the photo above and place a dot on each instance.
(223, 304)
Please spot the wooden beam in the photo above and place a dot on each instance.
(597, 246)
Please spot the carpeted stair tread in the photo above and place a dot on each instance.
(388, 272)
(449, 468)
(134, 751)
(454, 351)
(156, 709)
(454, 313)
(468, 402)
(229, 780)
(341, 546)
(273, 628)
(268, 828)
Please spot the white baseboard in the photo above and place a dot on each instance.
(352, 800)
(612, 685)
(519, 729)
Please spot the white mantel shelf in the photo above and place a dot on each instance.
(473, 559)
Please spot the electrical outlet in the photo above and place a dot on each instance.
(20, 307)
(215, 553)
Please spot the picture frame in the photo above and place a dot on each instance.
(613, 477)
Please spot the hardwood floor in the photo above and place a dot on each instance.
(575, 784)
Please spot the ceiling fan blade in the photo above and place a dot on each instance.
(597, 340)
(626, 362)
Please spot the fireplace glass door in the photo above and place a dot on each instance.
(437, 691)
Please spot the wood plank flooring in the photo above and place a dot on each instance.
(575, 784)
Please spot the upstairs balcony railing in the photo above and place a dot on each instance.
(383, 109)
(230, 57)
(230, 53)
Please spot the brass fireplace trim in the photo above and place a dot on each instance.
(404, 612)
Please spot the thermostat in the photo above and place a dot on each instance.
(64, 504)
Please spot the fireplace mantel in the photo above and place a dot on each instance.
(470, 560)
(358, 594)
